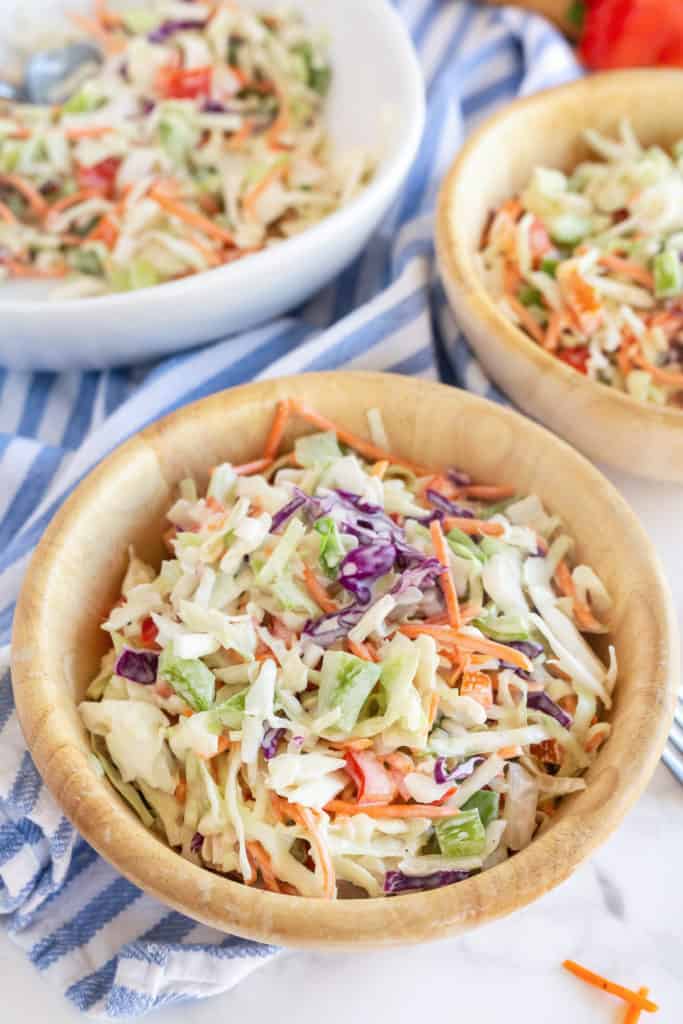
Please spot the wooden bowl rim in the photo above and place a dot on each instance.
(297, 921)
(456, 262)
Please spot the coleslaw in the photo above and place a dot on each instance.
(200, 140)
(590, 265)
(353, 675)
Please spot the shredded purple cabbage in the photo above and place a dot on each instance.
(213, 107)
(459, 478)
(147, 105)
(420, 576)
(336, 625)
(459, 773)
(169, 28)
(542, 702)
(138, 666)
(270, 741)
(196, 842)
(396, 882)
(366, 563)
(288, 510)
(448, 507)
(528, 647)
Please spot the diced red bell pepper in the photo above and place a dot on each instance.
(100, 177)
(373, 782)
(148, 632)
(575, 357)
(184, 83)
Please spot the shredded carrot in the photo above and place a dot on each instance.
(181, 792)
(251, 198)
(360, 744)
(489, 492)
(19, 131)
(307, 818)
(633, 1012)
(261, 860)
(400, 762)
(548, 751)
(446, 578)
(94, 131)
(30, 194)
(477, 685)
(245, 132)
(184, 213)
(437, 620)
(511, 276)
(379, 469)
(360, 650)
(366, 448)
(668, 377)
(91, 26)
(528, 322)
(508, 753)
(472, 527)
(344, 808)
(7, 215)
(433, 708)
(19, 269)
(213, 504)
(277, 429)
(474, 644)
(634, 998)
(318, 592)
(249, 468)
(596, 740)
(627, 269)
(569, 703)
(107, 18)
(552, 335)
(624, 360)
(582, 613)
(106, 230)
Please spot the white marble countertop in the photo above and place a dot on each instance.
(621, 914)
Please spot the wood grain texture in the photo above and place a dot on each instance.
(75, 576)
(497, 162)
(554, 10)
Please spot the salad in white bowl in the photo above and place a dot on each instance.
(200, 140)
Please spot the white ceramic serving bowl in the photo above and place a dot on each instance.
(376, 102)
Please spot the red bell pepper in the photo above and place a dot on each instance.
(632, 33)
(373, 782)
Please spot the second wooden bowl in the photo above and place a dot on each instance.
(496, 163)
(75, 577)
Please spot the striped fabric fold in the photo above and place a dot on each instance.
(112, 951)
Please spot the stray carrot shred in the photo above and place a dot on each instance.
(633, 998)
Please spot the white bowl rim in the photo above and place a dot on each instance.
(238, 274)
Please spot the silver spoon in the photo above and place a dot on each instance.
(51, 76)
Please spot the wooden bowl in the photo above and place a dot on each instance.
(75, 577)
(497, 162)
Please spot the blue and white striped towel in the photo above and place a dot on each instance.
(113, 951)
